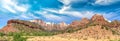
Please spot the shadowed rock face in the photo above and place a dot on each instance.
(26, 23)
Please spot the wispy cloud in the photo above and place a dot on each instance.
(50, 16)
(33, 16)
(96, 2)
(78, 14)
(9, 9)
(64, 8)
(12, 6)
(26, 16)
(66, 2)
(105, 2)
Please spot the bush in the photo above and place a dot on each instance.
(84, 38)
(70, 30)
(1, 34)
(43, 33)
(17, 37)
(113, 32)
(10, 34)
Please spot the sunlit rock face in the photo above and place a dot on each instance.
(99, 19)
(50, 25)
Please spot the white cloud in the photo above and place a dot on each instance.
(22, 8)
(10, 9)
(61, 11)
(12, 6)
(52, 17)
(105, 2)
(68, 2)
(64, 8)
(49, 16)
(33, 16)
(24, 16)
(67, 6)
(78, 14)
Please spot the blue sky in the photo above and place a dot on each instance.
(57, 10)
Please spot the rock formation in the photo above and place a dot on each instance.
(49, 26)
(98, 19)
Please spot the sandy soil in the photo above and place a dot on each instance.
(56, 38)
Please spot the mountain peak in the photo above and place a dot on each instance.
(97, 17)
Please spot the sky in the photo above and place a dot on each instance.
(57, 10)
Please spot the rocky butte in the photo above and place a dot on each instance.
(18, 25)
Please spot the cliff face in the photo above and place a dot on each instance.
(9, 28)
(51, 26)
(18, 25)
(99, 19)
(82, 23)
(115, 24)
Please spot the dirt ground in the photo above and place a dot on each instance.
(56, 38)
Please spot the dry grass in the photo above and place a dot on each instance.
(56, 38)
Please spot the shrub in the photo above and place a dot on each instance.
(17, 37)
(105, 27)
(70, 30)
(113, 32)
(1, 34)
(102, 27)
(84, 38)
(10, 34)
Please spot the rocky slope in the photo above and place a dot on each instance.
(50, 26)
(39, 25)
(96, 32)
(20, 25)
(99, 19)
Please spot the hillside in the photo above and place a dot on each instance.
(96, 32)
(91, 33)
(96, 28)
(21, 25)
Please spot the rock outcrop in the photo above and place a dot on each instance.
(19, 25)
(51, 26)
(96, 32)
(9, 28)
(98, 19)
(81, 23)
(114, 24)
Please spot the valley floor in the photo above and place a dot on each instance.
(56, 38)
